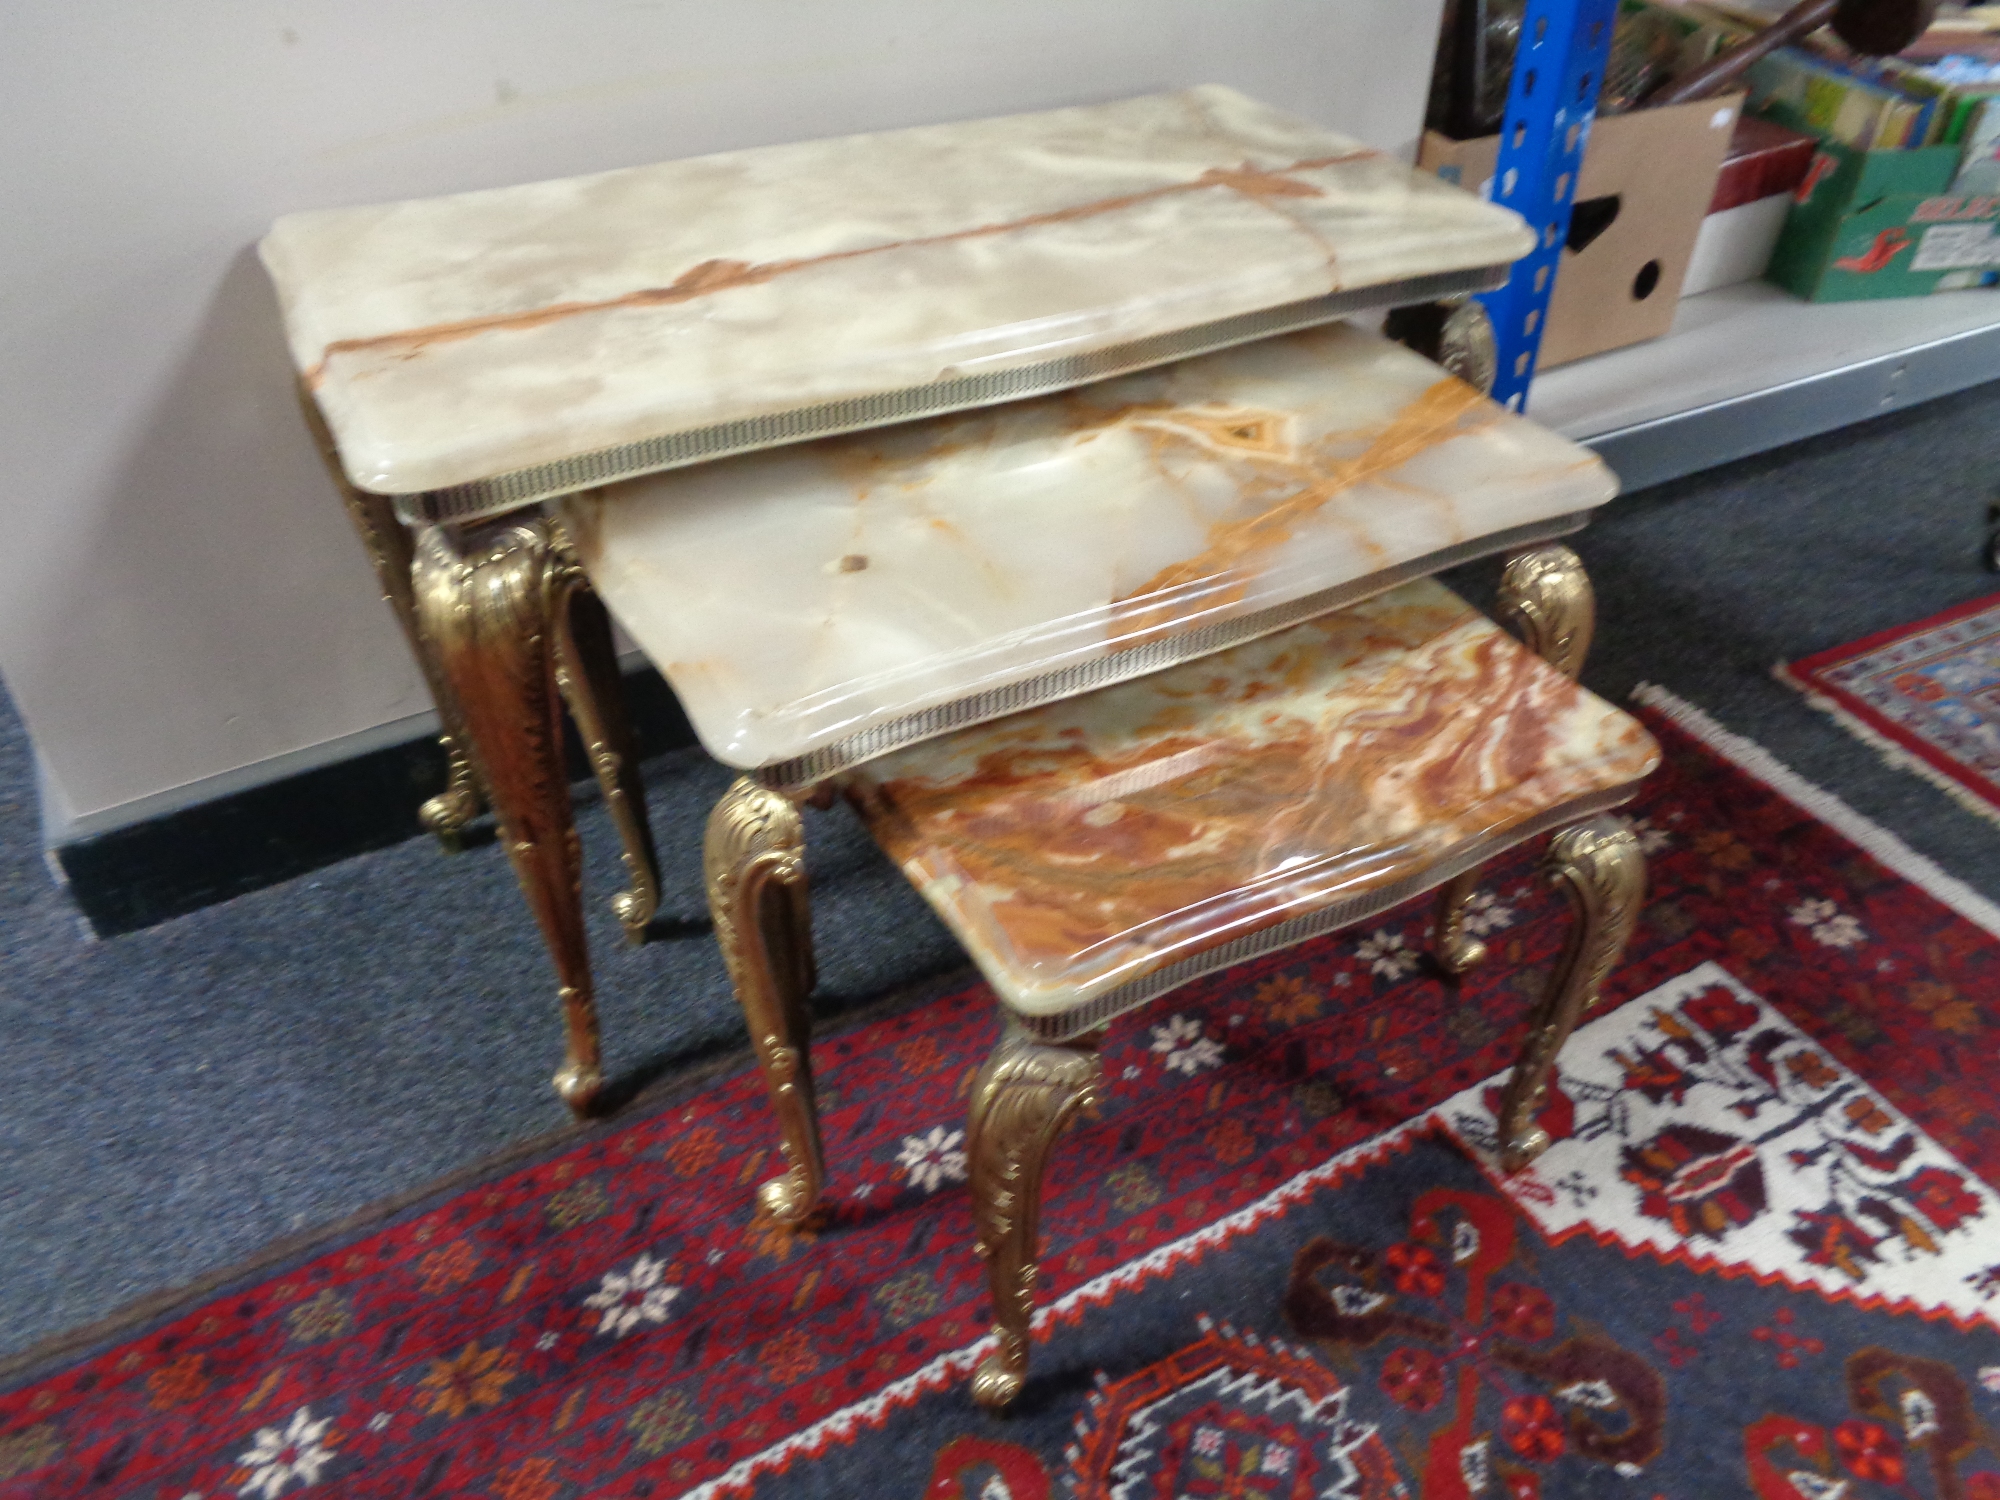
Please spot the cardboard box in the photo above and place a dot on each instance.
(1869, 224)
(1646, 183)
(1753, 197)
(1763, 160)
(1735, 244)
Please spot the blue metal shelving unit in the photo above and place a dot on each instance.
(1558, 69)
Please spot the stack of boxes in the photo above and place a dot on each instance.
(1903, 194)
(1840, 177)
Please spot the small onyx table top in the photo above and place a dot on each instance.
(1332, 769)
(493, 348)
(823, 603)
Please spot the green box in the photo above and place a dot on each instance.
(1882, 224)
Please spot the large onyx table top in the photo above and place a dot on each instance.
(492, 348)
(818, 604)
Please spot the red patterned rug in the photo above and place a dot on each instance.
(1763, 1256)
(1927, 694)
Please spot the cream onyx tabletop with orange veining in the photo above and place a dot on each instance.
(825, 593)
(453, 339)
(1079, 846)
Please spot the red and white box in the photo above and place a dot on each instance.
(1753, 193)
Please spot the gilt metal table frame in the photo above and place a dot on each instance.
(754, 861)
(507, 631)
(506, 628)
(1034, 1084)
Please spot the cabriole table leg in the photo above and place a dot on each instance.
(1456, 949)
(1599, 864)
(489, 603)
(1546, 600)
(754, 859)
(587, 674)
(387, 543)
(389, 550)
(1024, 1096)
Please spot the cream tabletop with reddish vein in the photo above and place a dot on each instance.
(1075, 848)
(799, 598)
(454, 339)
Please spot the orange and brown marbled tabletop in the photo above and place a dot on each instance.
(1080, 846)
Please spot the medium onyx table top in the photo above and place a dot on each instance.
(824, 602)
(1078, 847)
(559, 332)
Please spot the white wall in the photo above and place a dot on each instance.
(182, 607)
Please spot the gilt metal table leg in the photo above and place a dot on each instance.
(1024, 1096)
(1599, 864)
(754, 858)
(489, 604)
(587, 673)
(1457, 950)
(1456, 333)
(1545, 599)
(389, 550)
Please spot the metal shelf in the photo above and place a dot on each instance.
(1750, 367)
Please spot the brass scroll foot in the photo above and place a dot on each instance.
(1457, 950)
(1022, 1099)
(580, 1079)
(448, 813)
(754, 857)
(587, 673)
(487, 605)
(1546, 599)
(1599, 864)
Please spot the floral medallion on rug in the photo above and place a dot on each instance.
(1761, 1258)
(1929, 691)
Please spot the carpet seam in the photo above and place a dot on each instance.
(130, 1321)
(1814, 800)
(151, 1307)
(1898, 757)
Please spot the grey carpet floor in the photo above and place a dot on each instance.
(174, 1099)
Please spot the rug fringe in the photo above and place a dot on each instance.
(1755, 761)
(1892, 754)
